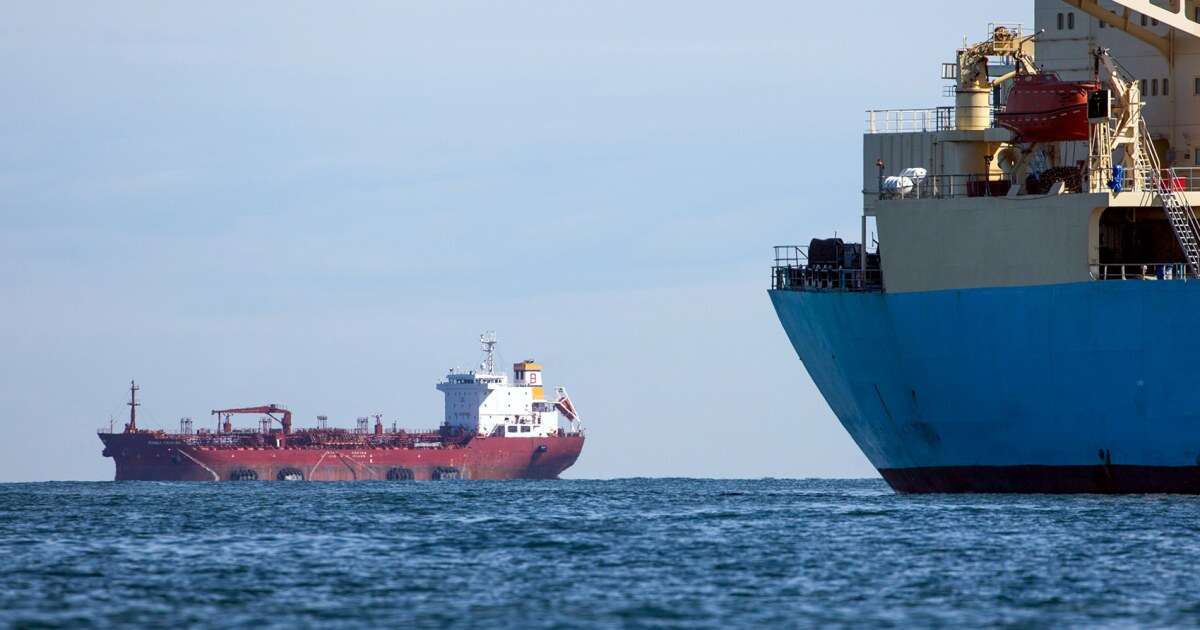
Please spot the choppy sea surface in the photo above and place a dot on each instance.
(626, 553)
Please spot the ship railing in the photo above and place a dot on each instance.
(815, 278)
(791, 255)
(1140, 271)
(952, 186)
(910, 120)
(1182, 179)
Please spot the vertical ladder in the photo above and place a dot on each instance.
(1180, 215)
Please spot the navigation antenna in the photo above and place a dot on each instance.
(133, 405)
(488, 341)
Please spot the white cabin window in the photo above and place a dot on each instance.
(1153, 87)
(1060, 21)
(512, 428)
(524, 429)
(1070, 21)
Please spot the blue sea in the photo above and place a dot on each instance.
(637, 553)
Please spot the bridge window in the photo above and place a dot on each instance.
(1070, 21)
(1166, 87)
(1060, 21)
(1196, 88)
(1153, 87)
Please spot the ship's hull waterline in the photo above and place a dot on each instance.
(1080, 387)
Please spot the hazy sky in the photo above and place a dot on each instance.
(323, 204)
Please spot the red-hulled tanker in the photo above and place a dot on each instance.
(492, 430)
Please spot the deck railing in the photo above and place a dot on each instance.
(1140, 271)
(910, 120)
(1182, 179)
(952, 186)
(816, 279)
(793, 271)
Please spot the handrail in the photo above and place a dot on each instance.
(1183, 178)
(791, 255)
(910, 120)
(1173, 206)
(953, 186)
(1140, 271)
(806, 278)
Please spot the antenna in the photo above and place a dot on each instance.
(488, 341)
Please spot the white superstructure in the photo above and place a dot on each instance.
(485, 402)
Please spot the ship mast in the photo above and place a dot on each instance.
(133, 405)
(488, 341)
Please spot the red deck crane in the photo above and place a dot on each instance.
(285, 421)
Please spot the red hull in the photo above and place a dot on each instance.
(151, 456)
(1041, 108)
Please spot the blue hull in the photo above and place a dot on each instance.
(1083, 387)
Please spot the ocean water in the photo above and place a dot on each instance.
(627, 553)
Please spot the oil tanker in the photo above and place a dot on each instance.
(1018, 314)
(492, 429)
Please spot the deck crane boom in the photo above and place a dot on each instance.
(972, 107)
(1124, 124)
(1175, 17)
(285, 421)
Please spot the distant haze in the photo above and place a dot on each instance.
(323, 204)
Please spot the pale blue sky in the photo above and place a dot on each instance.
(322, 205)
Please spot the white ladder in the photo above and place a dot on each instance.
(1181, 216)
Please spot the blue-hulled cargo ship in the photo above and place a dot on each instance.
(1022, 320)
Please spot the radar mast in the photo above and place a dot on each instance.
(488, 343)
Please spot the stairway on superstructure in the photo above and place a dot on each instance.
(1181, 216)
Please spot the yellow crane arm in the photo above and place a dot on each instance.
(1176, 19)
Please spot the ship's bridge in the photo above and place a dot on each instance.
(486, 403)
(474, 377)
